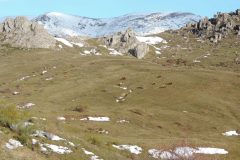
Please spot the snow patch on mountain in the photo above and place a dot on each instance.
(60, 25)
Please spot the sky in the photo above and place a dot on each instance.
(113, 8)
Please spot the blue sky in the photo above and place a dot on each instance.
(112, 8)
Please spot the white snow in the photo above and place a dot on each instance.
(93, 156)
(158, 52)
(151, 40)
(49, 79)
(26, 106)
(43, 119)
(114, 52)
(196, 61)
(144, 24)
(211, 151)
(64, 41)
(131, 148)
(120, 99)
(57, 149)
(86, 52)
(124, 88)
(15, 93)
(98, 119)
(123, 121)
(186, 152)
(13, 144)
(78, 44)
(71, 144)
(43, 72)
(231, 133)
(24, 78)
(61, 118)
(50, 136)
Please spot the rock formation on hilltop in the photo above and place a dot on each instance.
(127, 43)
(20, 32)
(218, 27)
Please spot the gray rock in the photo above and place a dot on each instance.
(127, 43)
(20, 32)
(140, 50)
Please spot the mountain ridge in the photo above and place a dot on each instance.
(60, 24)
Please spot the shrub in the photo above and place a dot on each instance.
(10, 115)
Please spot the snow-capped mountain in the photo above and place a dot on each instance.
(60, 24)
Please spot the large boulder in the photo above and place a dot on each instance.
(127, 43)
(20, 32)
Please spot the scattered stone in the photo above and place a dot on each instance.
(13, 144)
(131, 148)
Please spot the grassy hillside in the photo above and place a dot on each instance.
(174, 101)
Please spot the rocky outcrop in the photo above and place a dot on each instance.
(20, 32)
(218, 27)
(127, 43)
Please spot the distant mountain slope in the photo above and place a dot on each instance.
(144, 24)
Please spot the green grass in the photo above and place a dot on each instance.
(87, 86)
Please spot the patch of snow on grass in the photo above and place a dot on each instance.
(43, 72)
(93, 156)
(49, 79)
(78, 44)
(158, 52)
(50, 136)
(13, 144)
(64, 41)
(43, 119)
(26, 106)
(61, 118)
(185, 152)
(57, 149)
(114, 52)
(196, 61)
(24, 78)
(16, 93)
(211, 151)
(231, 133)
(131, 148)
(99, 119)
(123, 121)
(151, 40)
